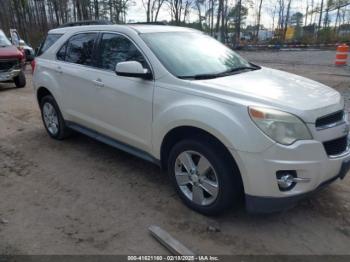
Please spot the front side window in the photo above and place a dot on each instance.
(192, 54)
(116, 48)
(80, 48)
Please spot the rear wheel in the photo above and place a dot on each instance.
(20, 80)
(52, 118)
(204, 177)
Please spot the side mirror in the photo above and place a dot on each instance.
(132, 69)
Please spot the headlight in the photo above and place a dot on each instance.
(282, 127)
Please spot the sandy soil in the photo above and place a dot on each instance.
(79, 196)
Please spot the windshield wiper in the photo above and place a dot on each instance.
(226, 73)
(241, 68)
(200, 76)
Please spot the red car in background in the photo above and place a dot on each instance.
(12, 63)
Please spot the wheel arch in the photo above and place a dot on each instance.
(42, 92)
(187, 132)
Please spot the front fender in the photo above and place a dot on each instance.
(230, 124)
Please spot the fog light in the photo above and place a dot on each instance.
(286, 179)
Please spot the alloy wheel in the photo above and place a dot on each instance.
(50, 118)
(196, 178)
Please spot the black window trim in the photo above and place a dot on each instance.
(96, 48)
(59, 49)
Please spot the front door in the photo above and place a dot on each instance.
(123, 104)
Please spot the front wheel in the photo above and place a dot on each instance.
(20, 80)
(204, 177)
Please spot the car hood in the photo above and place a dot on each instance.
(27, 47)
(269, 87)
(9, 52)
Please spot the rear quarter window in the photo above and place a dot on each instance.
(49, 41)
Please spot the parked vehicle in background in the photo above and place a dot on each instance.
(12, 63)
(224, 128)
(15, 38)
(28, 50)
(22, 45)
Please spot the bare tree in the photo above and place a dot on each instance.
(157, 5)
(286, 20)
(179, 10)
(97, 9)
(258, 21)
(320, 18)
(147, 6)
(199, 5)
(218, 18)
(238, 24)
(306, 11)
(280, 14)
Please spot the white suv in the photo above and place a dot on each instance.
(222, 127)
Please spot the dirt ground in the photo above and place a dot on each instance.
(80, 196)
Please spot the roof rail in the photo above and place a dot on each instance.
(148, 23)
(86, 22)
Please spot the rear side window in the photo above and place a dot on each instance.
(79, 49)
(49, 41)
(61, 54)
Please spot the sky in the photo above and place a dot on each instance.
(136, 12)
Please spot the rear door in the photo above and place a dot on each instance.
(77, 74)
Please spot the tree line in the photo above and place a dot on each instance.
(33, 18)
(223, 19)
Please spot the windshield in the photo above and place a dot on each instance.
(3, 40)
(191, 54)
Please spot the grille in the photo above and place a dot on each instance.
(329, 119)
(6, 65)
(336, 146)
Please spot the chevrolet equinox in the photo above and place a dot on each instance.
(223, 128)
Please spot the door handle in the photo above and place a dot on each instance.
(98, 83)
(59, 70)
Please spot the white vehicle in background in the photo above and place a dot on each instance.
(20, 43)
(223, 128)
(28, 50)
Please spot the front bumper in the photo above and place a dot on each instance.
(9, 75)
(307, 158)
(265, 205)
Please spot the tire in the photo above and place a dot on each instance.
(223, 175)
(53, 122)
(20, 80)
